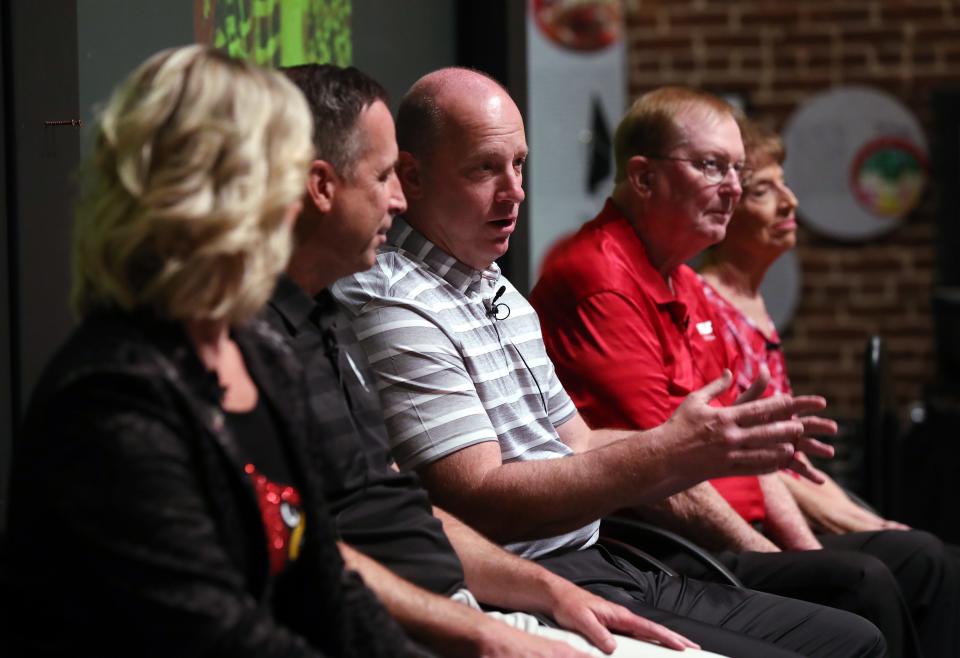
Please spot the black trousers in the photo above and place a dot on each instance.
(727, 620)
(928, 573)
(905, 582)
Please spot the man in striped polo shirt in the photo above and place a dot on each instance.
(472, 402)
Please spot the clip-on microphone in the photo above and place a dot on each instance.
(493, 308)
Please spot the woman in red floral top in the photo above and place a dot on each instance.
(763, 228)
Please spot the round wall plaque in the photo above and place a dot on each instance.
(581, 25)
(857, 160)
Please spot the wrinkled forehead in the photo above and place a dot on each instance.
(485, 125)
(705, 130)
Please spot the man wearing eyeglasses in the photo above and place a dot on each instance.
(679, 157)
(631, 334)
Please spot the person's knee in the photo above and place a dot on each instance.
(925, 547)
(871, 640)
(863, 577)
(929, 575)
(878, 598)
(842, 633)
(877, 579)
(920, 561)
(833, 632)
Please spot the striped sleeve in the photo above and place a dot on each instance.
(560, 407)
(429, 401)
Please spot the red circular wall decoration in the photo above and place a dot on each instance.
(581, 25)
(888, 175)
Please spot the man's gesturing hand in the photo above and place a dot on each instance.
(748, 438)
(811, 426)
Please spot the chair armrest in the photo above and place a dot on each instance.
(659, 542)
(640, 559)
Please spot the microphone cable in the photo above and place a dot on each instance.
(493, 311)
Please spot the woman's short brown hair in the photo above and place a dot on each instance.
(762, 146)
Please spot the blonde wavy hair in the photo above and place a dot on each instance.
(198, 159)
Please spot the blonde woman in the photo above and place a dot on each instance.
(763, 228)
(159, 502)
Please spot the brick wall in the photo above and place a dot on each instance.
(776, 53)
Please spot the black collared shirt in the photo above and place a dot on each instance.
(385, 514)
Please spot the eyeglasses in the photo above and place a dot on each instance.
(713, 170)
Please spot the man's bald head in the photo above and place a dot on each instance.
(432, 105)
(462, 152)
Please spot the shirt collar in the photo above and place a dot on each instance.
(620, 228)
(296, 307)
(461, 276)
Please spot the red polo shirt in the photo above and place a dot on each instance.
(627, 349)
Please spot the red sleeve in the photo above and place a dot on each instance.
(611, 360)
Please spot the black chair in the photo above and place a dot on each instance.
(657, 543)
(881, 449)
(638, 558)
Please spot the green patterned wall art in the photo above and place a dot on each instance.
(277, 32)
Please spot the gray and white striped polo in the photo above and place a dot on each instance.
(449, 374)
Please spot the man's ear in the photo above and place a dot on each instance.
(640, 175)
(322, 185)
(408, 171)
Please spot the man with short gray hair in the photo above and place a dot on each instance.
(632, 334)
